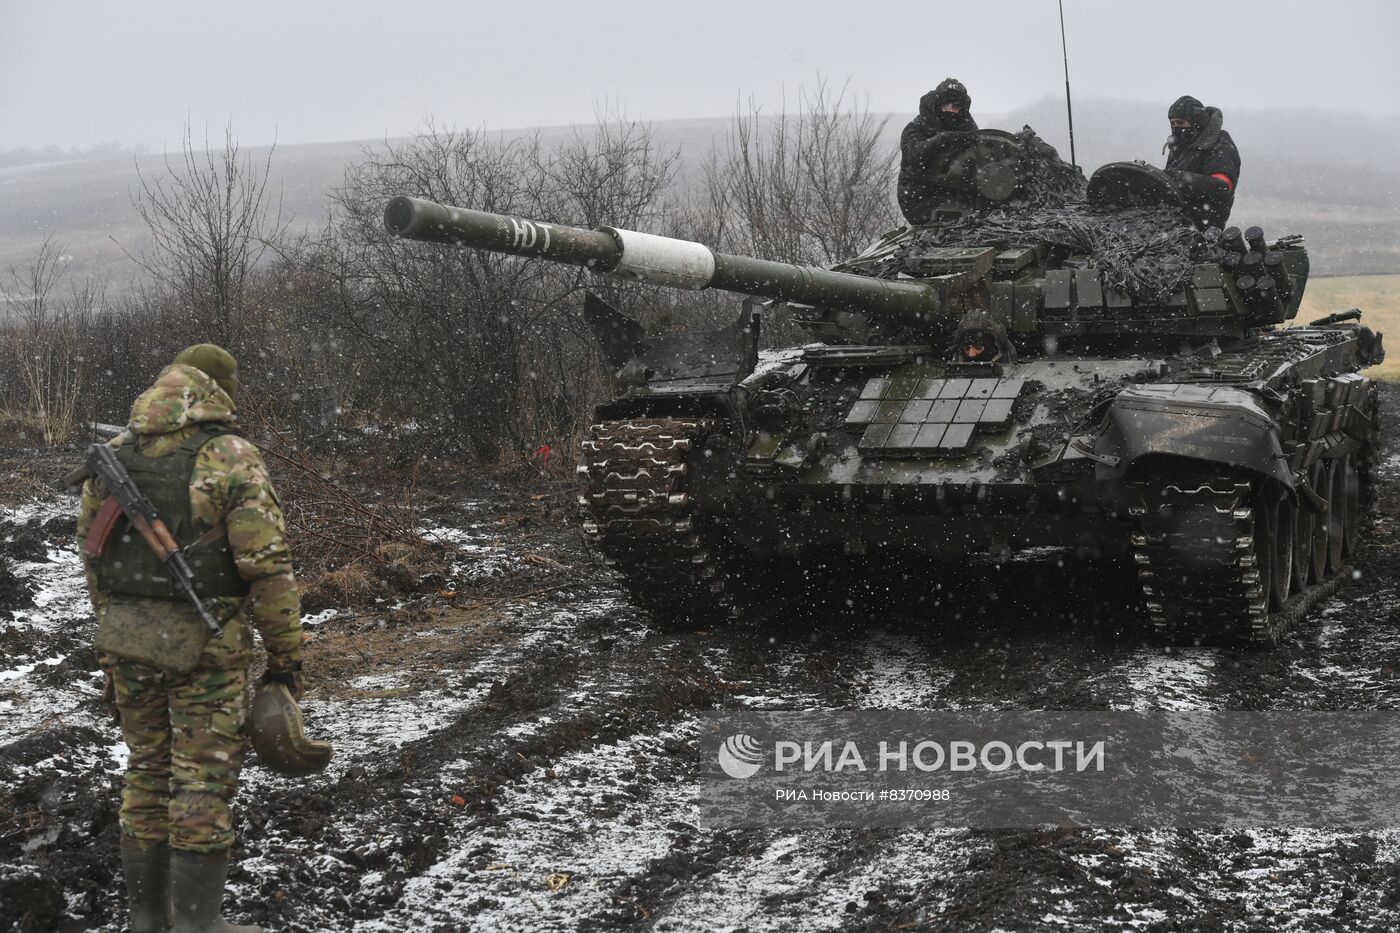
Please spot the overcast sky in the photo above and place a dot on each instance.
(81, 72)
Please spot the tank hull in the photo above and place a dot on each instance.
(1134, 461)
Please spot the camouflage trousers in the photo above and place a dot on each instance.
(186, 736)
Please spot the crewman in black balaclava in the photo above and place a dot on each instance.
(981, 338)
(1203, 160)
(944, 124)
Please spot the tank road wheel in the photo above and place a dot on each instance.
(1351, 507)
(637, 514)
(1265, 545)
(1317, 560)
(1280, 512)
(1205, 558)
(1337, 514)
(1303, 522)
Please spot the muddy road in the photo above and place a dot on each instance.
(516, 749)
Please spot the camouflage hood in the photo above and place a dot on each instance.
(181, 397)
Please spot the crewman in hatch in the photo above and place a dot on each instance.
(1203, 161)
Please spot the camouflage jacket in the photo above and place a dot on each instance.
(229, 485)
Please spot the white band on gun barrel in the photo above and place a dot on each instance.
(661, 260)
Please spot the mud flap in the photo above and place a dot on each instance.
(729, 351)
(1222, 425)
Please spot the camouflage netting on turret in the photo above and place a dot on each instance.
(1046, 179)
(1147, 253)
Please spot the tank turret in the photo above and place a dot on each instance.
(916, 283)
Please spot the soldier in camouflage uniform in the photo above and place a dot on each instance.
(186, 732)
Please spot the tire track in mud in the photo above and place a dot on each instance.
(785, 670)
(560, 711)
(778, 671)
(876, 878)
(628, 869)
(759, 880)
(408, 809)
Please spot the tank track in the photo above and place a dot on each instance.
(1196, 561)
(1366, 465)
(637, 513)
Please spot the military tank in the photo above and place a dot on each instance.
(974, 392)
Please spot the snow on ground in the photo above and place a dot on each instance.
(27, 706)
(60, 591)
(796, 870)
(569, 836)
(563, 843)
(1168, 679)
(785, 687)
(897, 672)
(481, 553)
(18, 672)
(1329, 671)
(28, 700)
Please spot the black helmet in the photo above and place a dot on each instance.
(951, 91)
(1187, 107)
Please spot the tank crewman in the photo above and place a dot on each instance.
(981, 338)
(1203, 159)
(186, 732)
(944, 125)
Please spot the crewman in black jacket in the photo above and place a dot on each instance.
(944, 125)
(1203, 160)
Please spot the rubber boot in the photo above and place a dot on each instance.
(197, 893)
(147, 870)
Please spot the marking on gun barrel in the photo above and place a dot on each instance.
(526, 233)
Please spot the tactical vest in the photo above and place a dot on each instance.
(130, 568)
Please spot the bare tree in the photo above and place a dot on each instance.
(809, 187)
(211, 221)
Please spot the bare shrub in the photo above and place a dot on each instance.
(484, 353)
(46, 342)
(344, 529)
(211, 222)
(814, 188)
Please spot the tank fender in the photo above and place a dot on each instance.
(1215, 424)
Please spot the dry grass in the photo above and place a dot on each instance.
(416, 645)
(389, 569)
(352, 585)
(1378, 297)
(20, 428)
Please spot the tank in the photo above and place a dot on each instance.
(1047, 364)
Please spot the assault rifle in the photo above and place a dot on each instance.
(126, 499)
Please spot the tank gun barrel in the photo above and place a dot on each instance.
(657, 260)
